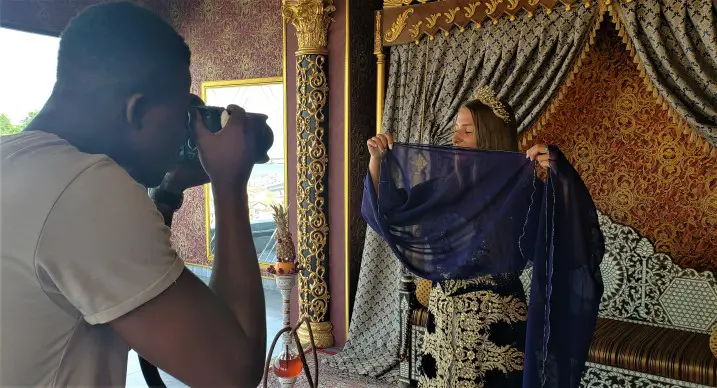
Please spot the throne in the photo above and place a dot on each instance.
(654, 322)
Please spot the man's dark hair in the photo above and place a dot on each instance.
(120, 48)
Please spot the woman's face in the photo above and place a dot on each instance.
(464, 132)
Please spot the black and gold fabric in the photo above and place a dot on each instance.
(475, 333)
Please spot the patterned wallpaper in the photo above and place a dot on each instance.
(641, 170)
(229, 39)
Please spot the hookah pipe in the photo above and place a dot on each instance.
(312, 383)
(153, 378)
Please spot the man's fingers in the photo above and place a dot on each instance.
(200, 129)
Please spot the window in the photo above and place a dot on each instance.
(267, 181)
(27, 76)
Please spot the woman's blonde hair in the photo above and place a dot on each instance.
(492, 132)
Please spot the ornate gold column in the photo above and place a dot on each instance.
(311, 20)
(380, 60)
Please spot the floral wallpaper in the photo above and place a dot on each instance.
(640, 168)
(230, 40)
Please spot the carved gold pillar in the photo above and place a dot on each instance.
(380, 71)
(311, 20)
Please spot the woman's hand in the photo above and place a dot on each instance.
(378, 145)
(540, 153)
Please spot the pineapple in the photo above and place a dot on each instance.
(285, 253)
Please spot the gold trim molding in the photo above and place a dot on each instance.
(403, 23)
(311, 18)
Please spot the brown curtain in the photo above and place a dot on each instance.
(676, 45)
(524, 61)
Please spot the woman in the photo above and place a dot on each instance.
(476, 328)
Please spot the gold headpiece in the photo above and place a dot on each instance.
(485, 95)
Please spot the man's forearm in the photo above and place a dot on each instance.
(167, 213)
(236, 277)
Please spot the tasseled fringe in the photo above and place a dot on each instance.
(683, 126)
(532, 132)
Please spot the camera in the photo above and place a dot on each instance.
(214, 118)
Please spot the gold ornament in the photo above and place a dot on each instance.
(713, 342)
(485, 95)
(311, 20)
(323, 334)
(312, 190)
(398, 25)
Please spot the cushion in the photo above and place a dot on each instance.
(676, 354)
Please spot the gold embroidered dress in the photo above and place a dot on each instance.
(475, 335)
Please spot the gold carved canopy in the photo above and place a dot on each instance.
(406, 22)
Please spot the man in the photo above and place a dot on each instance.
(87, 266)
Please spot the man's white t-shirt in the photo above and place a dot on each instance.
(82, 244)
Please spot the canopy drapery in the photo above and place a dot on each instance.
(675, 44)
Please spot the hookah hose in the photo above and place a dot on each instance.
(151, 374)
(154, 380)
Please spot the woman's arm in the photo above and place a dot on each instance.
(377, 147)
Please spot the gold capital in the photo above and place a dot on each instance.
(311, 20)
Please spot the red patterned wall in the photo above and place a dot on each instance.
(641, 170)
(230, 40)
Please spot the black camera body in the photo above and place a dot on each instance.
(212, 116)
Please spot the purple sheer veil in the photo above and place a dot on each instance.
(452, 213)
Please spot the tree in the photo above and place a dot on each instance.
(27, 120)
(8, 128)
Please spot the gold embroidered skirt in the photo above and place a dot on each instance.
(475, 335)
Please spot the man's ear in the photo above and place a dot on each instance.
(135, 109)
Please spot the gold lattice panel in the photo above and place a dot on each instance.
(423, 291)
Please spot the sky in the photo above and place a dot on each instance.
(27, 71)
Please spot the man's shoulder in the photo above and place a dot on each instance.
(49, 162)
(45, 156)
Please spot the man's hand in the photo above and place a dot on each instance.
(185, 175)
(228, 155)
